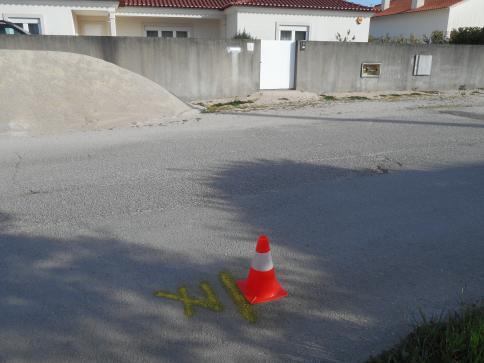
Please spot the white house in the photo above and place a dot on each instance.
(422, 17)
(205, 19)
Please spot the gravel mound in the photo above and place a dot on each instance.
(44, 92)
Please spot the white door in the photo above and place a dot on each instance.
(278, 60)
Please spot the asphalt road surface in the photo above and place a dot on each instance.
(375, 212)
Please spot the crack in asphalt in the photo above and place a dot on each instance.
(16, 168)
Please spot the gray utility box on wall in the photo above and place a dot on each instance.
(423, 65)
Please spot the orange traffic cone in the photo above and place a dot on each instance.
(261, 284)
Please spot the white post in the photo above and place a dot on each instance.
(112, 23)
(417, 3)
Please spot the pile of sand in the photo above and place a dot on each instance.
(45, 92)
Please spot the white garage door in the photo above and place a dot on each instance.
(278, 61)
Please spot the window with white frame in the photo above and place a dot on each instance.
(31, 25)
(293, 32)
(165, 32)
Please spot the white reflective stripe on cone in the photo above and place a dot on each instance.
(262, 261)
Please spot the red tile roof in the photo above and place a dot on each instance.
(198, 4)
(308, 4)
(405, 6)
(223, 4)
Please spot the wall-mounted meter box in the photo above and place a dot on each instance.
(370, 70)
(423, 65)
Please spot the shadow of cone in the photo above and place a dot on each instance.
(261, 284)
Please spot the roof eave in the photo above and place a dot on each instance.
(242, 4)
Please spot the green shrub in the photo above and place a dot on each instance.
(457, 338)
(244, 35)
(347, 38)
(412, 39)
(438, 37)
(470, 35)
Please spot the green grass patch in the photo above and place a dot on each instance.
(394, 95)
(431, 92)
(226, 105)
(328, 98)
(398, 95)
(455, 338)
(357, 98)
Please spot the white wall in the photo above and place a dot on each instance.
(466, 13)
(92, 25)
(55, 16)
(199, 28)
(418, 24)
(263, 23)
(230, 24)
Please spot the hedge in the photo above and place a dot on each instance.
(472, 35)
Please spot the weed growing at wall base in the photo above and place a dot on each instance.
(226, 106)
(328, 98)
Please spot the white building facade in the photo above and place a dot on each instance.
(282, 24)
(318, 20)
(422, 17)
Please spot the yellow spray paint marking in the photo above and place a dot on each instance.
(245, 309)
(210, 302)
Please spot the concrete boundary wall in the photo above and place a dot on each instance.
(336, 67)
(207, 69)
(189, 68)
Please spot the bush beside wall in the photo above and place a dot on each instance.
(472, 35)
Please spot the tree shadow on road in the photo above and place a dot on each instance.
(357, 250)
(90, 299)
(4, 221)
(360, 251)
(86, 299)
